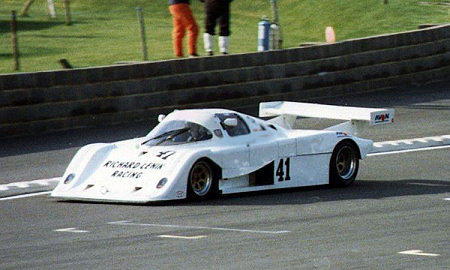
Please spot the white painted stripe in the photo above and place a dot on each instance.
(446, 199)
(428, 185)
(129, 223)
(72, 230)
(418, 253)
(183, 237)
(25, 195)
(409, 150)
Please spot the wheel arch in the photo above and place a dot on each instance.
(216, 172)
(216, 168)
(354, 144)
(335, 179)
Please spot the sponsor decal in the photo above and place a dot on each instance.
(133, 165)
(341, 134)
(382, 118)
(135, 169)
(180, 194)
(127, 174)
(164, 155)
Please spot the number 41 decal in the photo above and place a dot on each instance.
(283, 170)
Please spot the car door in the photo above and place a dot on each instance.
(236, 154)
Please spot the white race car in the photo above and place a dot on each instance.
(203, 152)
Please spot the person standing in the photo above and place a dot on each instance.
(183, 20)
(217, 11)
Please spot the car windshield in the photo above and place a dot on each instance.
(177, 132)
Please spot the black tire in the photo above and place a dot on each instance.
(344, 164)
(202, 182)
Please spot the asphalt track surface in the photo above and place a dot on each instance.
(396, 216)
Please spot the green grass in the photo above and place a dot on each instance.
(105, 32)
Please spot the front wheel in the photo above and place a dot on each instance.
(201, 181)
(344, 164)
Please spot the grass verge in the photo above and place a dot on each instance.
(105, 32)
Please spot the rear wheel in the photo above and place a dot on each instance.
(344, 164)
(201, 181)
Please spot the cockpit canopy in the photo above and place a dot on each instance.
(186, 126)
(177, 132)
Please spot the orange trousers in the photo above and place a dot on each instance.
(183, 20)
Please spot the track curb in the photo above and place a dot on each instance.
(19, 188)
(410, 144)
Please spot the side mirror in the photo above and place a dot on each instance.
(231, 122)
(161, 117)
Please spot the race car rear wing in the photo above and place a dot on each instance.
(357, 118)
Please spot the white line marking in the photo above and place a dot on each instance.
(428, 185)
(419, 252)
(25, 196)
(72, 230)
(409, 150)
(447, 199)
(182, 237)
(20, 184)
(129, 223)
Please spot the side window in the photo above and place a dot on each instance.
(240, 129)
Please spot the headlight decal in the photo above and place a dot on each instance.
(69, 178)
(161, 183)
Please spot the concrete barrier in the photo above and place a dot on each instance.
(58, 100)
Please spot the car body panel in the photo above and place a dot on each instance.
(265, 156)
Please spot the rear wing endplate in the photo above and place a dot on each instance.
(356, 118)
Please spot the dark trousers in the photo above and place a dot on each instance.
(217, 11)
